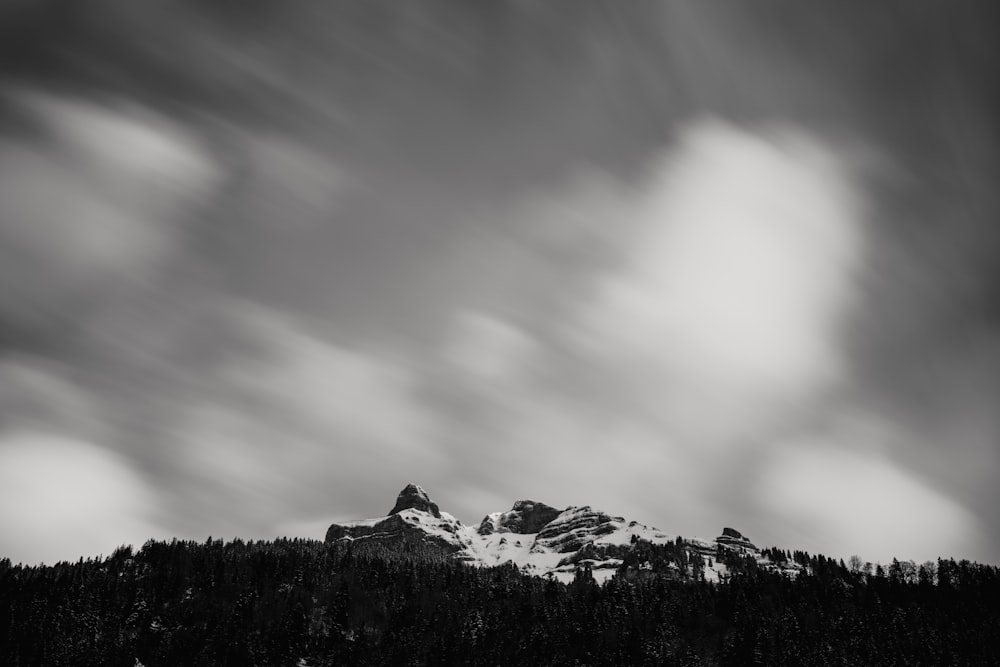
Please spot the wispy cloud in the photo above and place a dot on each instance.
(92, 205)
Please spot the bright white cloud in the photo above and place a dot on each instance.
(62, 498)
(736, 275)
(831, 499)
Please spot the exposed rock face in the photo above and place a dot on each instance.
(488, 525)
(575, 527)
(408, 526)
(734, 539)
(414, 497)
(388, 527)
(526, 516)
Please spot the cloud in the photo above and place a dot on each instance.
(837, 500)
(528, 441)
(34, 392)
(512, 432)
(92, 204)
(737, 273)
(288, 183)
(123, 147)
(290, 426)
(357, 393)
(61, 498)
(489, 349)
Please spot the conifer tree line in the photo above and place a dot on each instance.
(302, 602)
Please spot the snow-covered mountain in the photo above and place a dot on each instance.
(537, 538)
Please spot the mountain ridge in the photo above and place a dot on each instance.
(542, 540)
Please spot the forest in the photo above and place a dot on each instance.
(305, 603)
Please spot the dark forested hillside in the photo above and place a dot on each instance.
(296, 602)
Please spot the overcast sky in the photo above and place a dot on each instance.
(700, 264)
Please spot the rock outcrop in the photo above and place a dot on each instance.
(734, 539)
(525, 517)
(414, 497)
(575, 527)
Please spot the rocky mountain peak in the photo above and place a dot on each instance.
(414, 497)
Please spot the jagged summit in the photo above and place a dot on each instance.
(414, 497)
(536, 537)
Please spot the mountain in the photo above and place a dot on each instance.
(542, 540)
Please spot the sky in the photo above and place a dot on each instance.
(699, 264)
